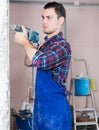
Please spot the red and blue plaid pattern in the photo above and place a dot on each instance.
(54, 54)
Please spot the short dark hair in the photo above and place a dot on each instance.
(59, 8)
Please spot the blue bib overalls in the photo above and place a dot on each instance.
(51, 108)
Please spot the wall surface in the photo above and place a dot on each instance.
(30, 16)
(82, 29)
(82, 33)
(4, 68)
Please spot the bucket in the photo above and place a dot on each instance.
(81, 86)
(23, 123)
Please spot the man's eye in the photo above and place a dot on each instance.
(48, 17)
(42, 17)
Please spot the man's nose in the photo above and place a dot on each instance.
(44, 21)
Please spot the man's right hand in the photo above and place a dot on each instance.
(21, 37)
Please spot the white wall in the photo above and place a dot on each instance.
(4, 68)
(82, 27)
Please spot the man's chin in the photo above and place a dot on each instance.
(46, 32)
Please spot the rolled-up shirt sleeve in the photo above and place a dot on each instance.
(51, 57)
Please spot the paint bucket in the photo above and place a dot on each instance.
(81, 86)
(23, 123)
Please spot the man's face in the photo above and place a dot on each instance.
(51, 23)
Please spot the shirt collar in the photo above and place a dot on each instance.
(54, 38)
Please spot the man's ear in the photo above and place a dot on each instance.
(61, 20)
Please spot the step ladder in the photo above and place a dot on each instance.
(81, 119)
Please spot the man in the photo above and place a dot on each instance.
(52, 59)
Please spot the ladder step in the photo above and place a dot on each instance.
(89, 94)
(85, 109)
(85, 123)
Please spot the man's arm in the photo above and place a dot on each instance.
(27, 61)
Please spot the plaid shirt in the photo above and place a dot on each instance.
(54, 54)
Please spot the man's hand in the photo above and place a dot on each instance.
(21, 37)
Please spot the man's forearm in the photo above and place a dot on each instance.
(30, 51)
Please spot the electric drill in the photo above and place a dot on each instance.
(33, 36)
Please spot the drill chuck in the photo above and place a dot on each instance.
(17, 28)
